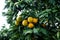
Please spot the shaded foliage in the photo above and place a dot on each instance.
(47, 11)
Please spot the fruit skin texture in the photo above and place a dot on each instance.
(16, 23)
(24, 23)
(19, 18)
(30, 19)
(30, 25)
(35, 20)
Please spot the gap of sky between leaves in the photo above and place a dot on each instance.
(3, 18)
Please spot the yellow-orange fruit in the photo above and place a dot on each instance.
(30, 19)
(16, 23)
(24, 23)
(35, 20)
(30, 25)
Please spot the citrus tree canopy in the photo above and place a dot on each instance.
(38, 20)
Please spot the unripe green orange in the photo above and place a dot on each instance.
(16, 23)
(19, 18)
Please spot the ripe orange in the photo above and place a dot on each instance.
(30, 25)
(30, 19)
(24, 23)
(16, 23)
(35, 20)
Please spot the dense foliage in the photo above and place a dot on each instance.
(46, 11)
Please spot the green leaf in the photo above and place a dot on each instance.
(58, 35)
(25, 32)
(57, 19)
(54, 11)
(28, 1)
(44, 31)
(36, 30)
(52, 2)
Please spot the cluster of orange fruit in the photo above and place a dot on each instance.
(29, 22)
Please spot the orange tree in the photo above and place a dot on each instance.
(39, 19)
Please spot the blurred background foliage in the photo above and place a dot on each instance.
(47, 12)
